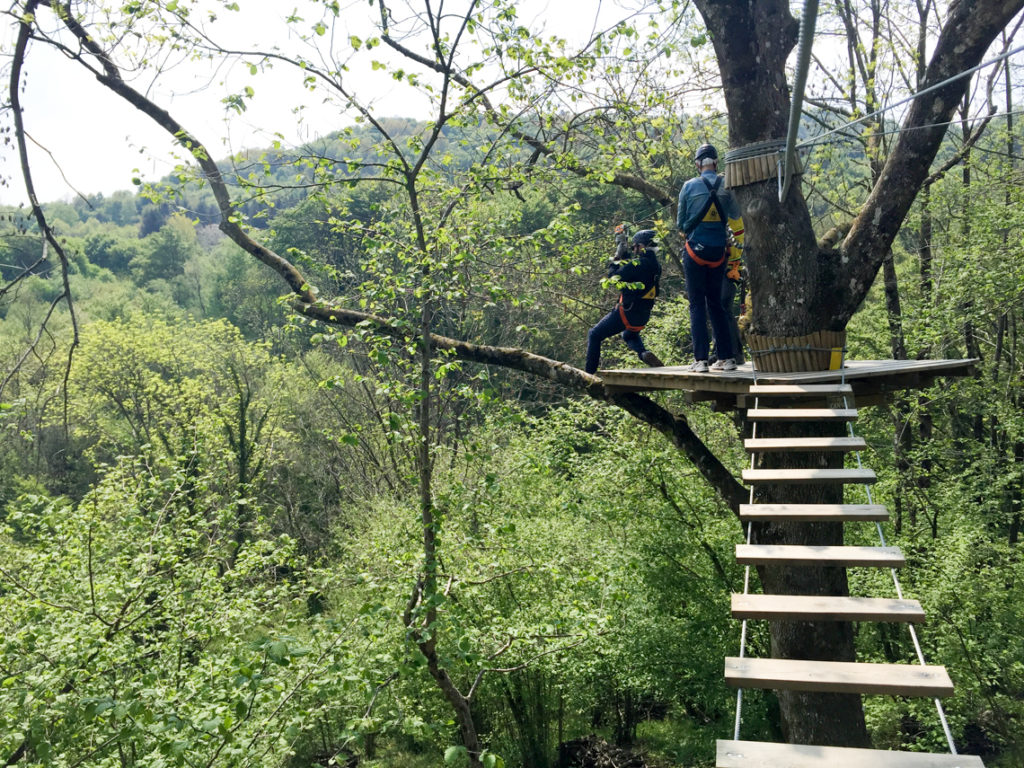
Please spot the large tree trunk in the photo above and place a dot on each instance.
(810, 718)
(787, 288)
(797, 288)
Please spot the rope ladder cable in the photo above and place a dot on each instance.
(746, 570)
(899, 595)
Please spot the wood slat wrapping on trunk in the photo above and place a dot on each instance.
(787, 354)
(750, 170)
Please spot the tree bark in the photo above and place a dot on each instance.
(797, 288)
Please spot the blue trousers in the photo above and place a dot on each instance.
(609, 325)
(704, 289)
(729, 289)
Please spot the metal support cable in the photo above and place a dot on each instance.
(911, 97)
(746, 572)
(899, 594)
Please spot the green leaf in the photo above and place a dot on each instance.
(456, 755)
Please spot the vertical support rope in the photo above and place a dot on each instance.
(746, 570)
(899, 594)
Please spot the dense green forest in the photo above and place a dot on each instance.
(233, 533)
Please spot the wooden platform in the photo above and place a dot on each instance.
(872, 381)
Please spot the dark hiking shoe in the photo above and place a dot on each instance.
(651, 359)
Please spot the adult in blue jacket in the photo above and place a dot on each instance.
(707, 211)
(638, 269)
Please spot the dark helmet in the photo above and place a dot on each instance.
(705, 151)
(644, 237)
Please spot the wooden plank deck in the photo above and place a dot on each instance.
(871, 380)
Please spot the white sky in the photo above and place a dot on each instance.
(94, 141)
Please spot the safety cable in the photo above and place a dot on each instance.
(817, 139)
(746, 570)
(946, 123)
(899, 595)
(789, 147)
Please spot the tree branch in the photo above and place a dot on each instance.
(673, 426)
(966, 36)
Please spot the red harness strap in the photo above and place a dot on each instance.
(625, 322)
(705, 262)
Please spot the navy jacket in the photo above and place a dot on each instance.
(643, 268)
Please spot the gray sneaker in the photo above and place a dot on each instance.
(698, 366)
(724, 365)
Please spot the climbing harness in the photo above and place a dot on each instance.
(625, 322)
(711, 213)
(704, 262)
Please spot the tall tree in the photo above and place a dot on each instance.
(797, 285)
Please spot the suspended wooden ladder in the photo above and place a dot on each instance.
(823, 676)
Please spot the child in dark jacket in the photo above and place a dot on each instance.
(638, 268)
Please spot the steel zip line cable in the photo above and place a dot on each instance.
(911, 97)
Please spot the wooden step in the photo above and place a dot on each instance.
(819, 608)
(814, 513)
(808, 476)
(801, 444)
(838, 677)
(802, 414)
(800, 390)
(761, 754)
(795, 554)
